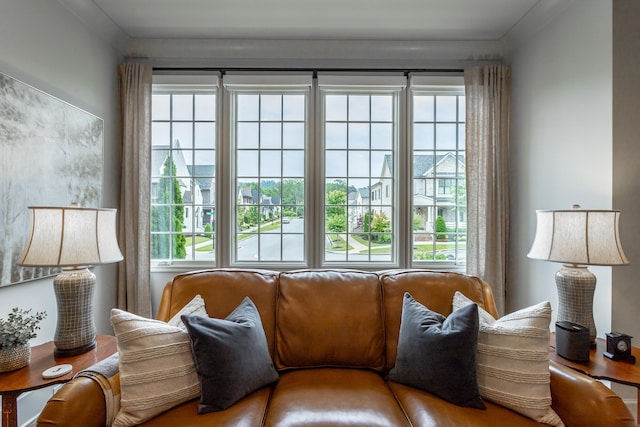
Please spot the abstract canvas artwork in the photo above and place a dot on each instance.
(50, 155)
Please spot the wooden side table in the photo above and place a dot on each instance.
(13, 384)
(602, 368)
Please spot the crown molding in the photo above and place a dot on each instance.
(98, 22)
(541, 15)
(347, 53)
(313, 53)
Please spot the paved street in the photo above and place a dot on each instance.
(290, 246)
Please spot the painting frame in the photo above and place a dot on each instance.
(51, 154)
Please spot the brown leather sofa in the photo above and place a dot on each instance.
(333, 336)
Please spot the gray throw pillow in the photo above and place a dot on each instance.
(231, 356)
(438, 354)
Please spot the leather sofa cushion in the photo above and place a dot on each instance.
(326, 397)
(223, 290)
(437, 295)
(427, 410)
(246, 412)
(329, 318)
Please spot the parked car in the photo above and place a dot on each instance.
(285, 220)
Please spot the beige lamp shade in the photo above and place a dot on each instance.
(578, 238)
(70, 236)
(75, 238)
(581, 237)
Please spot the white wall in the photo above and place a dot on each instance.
(561, 142)
(43, 45)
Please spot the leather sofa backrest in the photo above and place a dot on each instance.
(329, 318)
(222, 291)
(325, 318)
(433, 289)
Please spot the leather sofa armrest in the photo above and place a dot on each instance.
(80, 402)
(580, 400)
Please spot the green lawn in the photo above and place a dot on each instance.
(421, 248)
(365, 242)
(427, 247)
(338, 244)
(205, 248)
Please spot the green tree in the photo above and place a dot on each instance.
(441, 228)
(270, 188)
(208, 230)
(289, 211)
(252, 215)
(380, 223)
(168, 216)
(240, 218)
(366, 224)
(293, 196)
(337, 223)
(336, 220)
(338, 184)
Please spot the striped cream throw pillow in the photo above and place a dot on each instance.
(157, 371)
(513, 360)
(195, 306)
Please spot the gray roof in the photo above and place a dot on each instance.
(245, 191)
(424, 163)
(203, 175)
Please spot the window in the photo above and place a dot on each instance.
(360, 139)
(183, 199)
(269, 136)
(439, 196)
(350, 171)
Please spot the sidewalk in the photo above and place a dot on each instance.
(357, 246)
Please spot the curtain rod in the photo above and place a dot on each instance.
(315, 70)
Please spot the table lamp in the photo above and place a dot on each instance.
(73, 238)
(578, 238)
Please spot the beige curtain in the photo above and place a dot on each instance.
(133, 273)
(487, 151)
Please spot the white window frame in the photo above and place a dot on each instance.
(245, 83)
(191, 83)
(402, 183)
(429, 84)
(371, 85)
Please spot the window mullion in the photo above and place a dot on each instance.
(403, 184)
(225, 221)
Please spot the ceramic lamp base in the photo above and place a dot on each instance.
(576, 287)
(75, 330)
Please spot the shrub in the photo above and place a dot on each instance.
(19, 327)
(441, 228)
